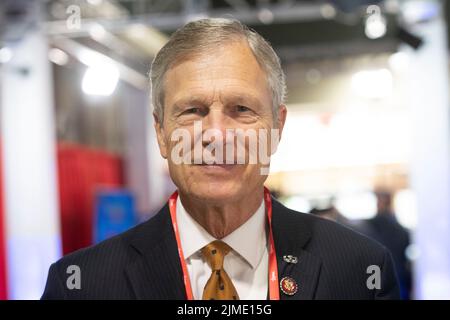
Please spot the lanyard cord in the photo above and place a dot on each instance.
(274, 293)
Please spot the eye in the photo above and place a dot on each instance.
(192, 110)
(241, 108)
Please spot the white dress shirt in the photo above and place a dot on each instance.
(247, 264)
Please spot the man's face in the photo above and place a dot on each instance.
(223, 89)
(384, 203)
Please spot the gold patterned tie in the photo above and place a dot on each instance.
(219, 285)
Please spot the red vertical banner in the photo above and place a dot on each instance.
(3, 287)
(81, 171)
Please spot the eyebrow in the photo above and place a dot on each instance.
(243, 98)
(180, 104)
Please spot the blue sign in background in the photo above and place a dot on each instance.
(114, 213)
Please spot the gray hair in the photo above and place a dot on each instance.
(206, 34)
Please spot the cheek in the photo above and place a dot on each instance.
(181, 176)
(250, 174)
(185, 173)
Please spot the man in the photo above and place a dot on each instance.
(385, 229)
(222, 236)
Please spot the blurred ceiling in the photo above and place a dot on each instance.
(136, 29)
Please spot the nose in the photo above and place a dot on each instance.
(216, 120)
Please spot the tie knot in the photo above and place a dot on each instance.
(215, 253)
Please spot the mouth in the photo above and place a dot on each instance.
(226, 167)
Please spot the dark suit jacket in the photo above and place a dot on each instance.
(143, 262)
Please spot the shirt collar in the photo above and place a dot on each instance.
(249, 240)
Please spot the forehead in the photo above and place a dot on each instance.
(229, 70)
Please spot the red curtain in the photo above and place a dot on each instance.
(81, 171)
(3, 288)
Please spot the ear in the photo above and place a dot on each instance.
(282, 113)
(160, 135)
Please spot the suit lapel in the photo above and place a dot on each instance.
(155, 270)
(156, 273)
(291, 234)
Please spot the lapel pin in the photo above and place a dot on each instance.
(288, 286)
(290, 259)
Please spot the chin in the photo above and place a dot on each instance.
(217, 191)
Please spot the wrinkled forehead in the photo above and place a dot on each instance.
(236, 56)
(232, 69)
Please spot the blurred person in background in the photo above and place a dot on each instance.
(330, 212)
(385, 229)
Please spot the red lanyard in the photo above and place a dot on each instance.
(274, 294)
